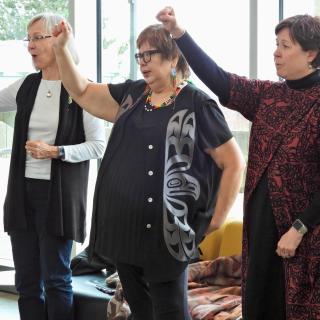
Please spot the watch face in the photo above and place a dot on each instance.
(299, 226)
(61, 152)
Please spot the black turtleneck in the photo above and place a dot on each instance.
(306, 82)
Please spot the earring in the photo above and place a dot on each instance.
(173, 75)
(310, 65)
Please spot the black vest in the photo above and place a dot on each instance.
(68, 182)
(115, 234)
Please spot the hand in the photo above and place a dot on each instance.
(41, 150)
(62, 33)
(169, 21)
(288, 243)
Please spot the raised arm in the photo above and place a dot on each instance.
(93, 97)
(214, 77)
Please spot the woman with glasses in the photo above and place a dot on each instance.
(167, 178)
(281, 259)
(45, 205)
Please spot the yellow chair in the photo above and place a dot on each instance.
(231, 243)
(225, 241)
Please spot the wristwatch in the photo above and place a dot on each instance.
(61, 153)
(300, 227)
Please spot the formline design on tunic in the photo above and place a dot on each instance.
(180, 138)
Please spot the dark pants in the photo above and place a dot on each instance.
(42, 262)
(154, 300)
(264, 296)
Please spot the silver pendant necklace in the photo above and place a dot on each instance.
(49, 90)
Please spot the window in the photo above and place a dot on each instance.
(293, 7)
(115, 41)
(268, 13)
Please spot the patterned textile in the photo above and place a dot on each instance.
(113, 280)
(214, 291)
(118, 308)
(284, 140)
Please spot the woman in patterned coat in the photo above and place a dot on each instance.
(281, 242)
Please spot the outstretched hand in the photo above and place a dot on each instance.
(169, 21)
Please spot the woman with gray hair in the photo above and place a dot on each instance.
(45, 205)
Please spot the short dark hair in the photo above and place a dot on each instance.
(158, 37)
(305, 30)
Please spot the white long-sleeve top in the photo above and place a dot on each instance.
(43, 126)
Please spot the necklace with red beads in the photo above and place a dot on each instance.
(149, 106)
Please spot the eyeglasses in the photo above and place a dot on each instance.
(36, 38)
(145, 56)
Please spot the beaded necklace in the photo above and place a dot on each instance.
(149, 106)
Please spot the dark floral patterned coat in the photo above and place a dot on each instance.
(285, 141)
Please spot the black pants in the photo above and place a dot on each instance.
(42, 262)
(154, 300)
(265, 290)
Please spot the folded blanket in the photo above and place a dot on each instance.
(208, 303)
(214, 291)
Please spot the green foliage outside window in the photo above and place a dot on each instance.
(15, 15)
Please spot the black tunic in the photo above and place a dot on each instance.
(156, 188)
